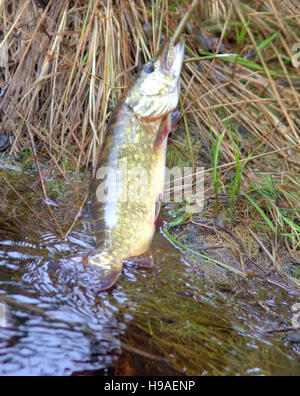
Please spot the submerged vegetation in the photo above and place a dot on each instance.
(63, 66)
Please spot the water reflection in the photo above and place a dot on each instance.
(54, 329)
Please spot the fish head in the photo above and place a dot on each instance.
(156, 90)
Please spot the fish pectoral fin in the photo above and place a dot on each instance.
(145, 260)
(158, 204)
(168, 125)
(175, 117)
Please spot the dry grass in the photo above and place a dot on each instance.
(64, 66)
(63, 74)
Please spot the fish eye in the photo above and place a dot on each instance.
(149, 68)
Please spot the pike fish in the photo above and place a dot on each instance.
(127, 192)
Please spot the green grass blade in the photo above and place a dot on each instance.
(267, 41)
(259, 209)
(180, 221)
(203, 256)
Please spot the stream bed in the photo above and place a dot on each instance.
(169, 320)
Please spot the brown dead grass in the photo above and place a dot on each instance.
(66, 65)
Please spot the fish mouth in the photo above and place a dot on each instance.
(171, 56)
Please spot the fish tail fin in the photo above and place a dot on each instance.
(97, 272)
(108, 266)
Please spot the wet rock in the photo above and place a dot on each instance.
(41, 3)
(147, 27)
(4, 142)
(294, 338)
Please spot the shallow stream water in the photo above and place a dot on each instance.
(166, 320)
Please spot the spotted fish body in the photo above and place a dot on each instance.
(135, 147)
